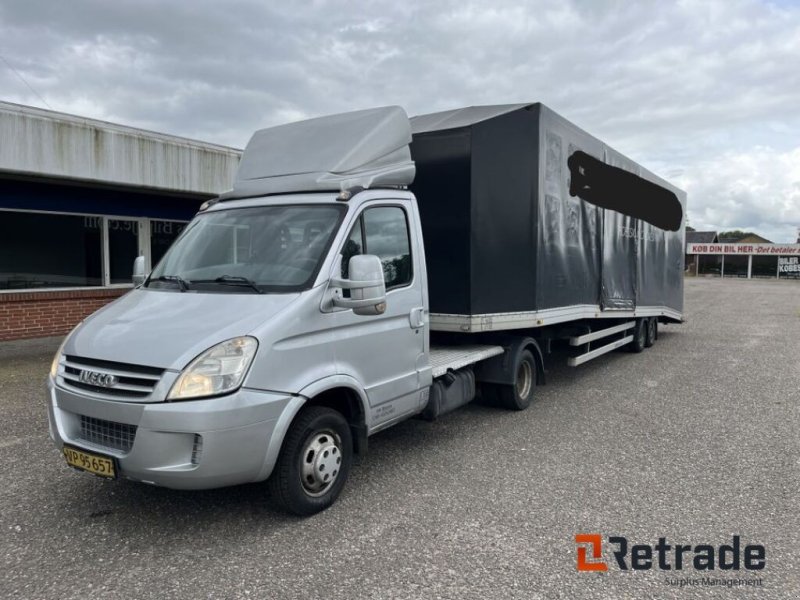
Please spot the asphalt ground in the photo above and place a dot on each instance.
(695, 440)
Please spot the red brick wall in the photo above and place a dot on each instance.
(42, 313)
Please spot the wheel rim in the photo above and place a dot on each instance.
(524, 379)
(321, 462)
(651, 330)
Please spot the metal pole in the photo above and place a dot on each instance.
(144, 243)
(722, 269)
(105, 272)
(749, 266)
(697, 265)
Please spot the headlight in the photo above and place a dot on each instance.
(218, 370)
(57, 357)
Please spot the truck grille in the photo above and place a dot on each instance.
(108, 378)
(107, 434)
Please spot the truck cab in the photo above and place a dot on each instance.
(263, 308)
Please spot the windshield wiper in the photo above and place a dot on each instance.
(232, 280)
(174, 279)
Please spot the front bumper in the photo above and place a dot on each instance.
(195, 444)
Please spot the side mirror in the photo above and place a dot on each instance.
(366, 285)
(138, 271)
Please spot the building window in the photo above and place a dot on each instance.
(763, 266)
(45, 251)
(382, 231)
(123, 248)
(41, 250)
(162, 234)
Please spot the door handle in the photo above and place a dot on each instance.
(416, 318)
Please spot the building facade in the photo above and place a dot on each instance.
(743, 259)
(80, 199)
(694, 263)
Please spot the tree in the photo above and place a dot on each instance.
(735, 234)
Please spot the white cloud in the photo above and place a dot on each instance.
(759, 189)
(677, 86)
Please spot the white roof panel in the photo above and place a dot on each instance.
(461, 117)
(366, 148)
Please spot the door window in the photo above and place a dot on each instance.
(382, 231)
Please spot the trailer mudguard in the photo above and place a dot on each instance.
(502, 369)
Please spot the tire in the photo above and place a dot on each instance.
(639, 336)
(314, 462)
(519, 395)
(651, 334)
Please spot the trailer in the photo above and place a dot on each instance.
(364, 269)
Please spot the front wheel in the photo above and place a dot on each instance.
(314, 462)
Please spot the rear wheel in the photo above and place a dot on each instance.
(519, 395)
(639, 336)
(314, 462)
(652, 332)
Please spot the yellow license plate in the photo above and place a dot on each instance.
(86, 461)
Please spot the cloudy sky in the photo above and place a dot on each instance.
(705, 93)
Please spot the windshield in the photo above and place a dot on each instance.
(255, 250)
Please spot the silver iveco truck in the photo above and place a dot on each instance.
(301, 313)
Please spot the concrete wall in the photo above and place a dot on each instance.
(44, 143)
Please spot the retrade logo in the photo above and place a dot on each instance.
(666, 556)
(592, 543)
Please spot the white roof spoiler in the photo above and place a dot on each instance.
(365, 148)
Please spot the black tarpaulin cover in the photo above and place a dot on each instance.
(504, 234)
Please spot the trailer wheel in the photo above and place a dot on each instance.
(652, 332)
(639, 336)
(314, 462)
(519, 395)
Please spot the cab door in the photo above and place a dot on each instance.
(383, 351)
